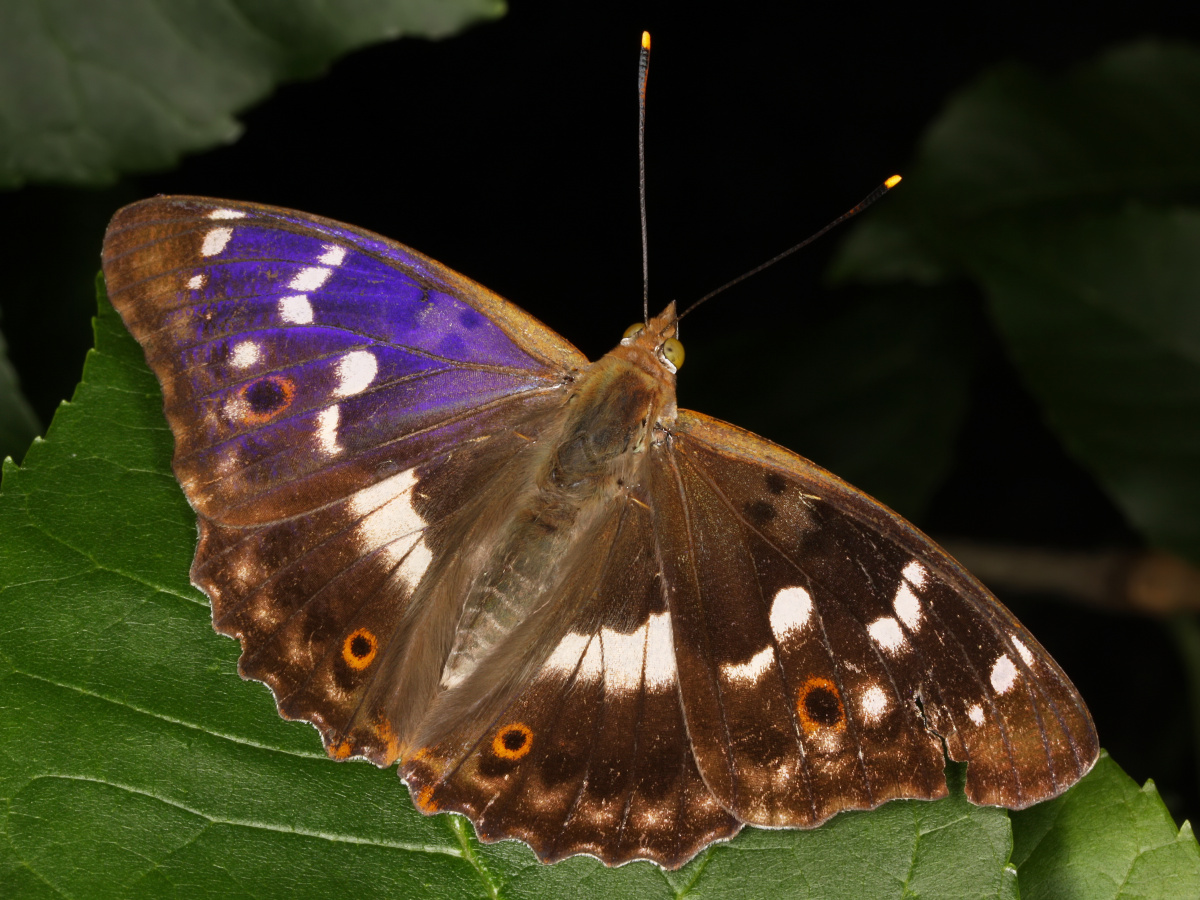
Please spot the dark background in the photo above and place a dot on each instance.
(509, 153)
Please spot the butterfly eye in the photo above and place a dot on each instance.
(635, 328)
(672, 351)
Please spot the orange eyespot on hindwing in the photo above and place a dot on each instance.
(265, 398)
(512, 741)
(358, 650)
(819, 706)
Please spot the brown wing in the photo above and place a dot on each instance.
(318, 599)
(826, 648)
(336, 400)
(589, 753)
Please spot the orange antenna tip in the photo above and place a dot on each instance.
(645, 40)
(892, 182)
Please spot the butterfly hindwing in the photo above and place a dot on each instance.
(588, 752)
(826, 647)
(318, 600)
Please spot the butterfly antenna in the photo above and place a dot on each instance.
(850, 213)
(643, 72)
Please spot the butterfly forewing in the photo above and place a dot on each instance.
(826, 647)
(278, 337)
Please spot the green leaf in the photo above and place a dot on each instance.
(89, 90)
(1106, 838)
(1072, 203)
(135, 761)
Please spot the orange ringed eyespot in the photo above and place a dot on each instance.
(512, 741)
(358, 650)
(262, 400)
(819, 705)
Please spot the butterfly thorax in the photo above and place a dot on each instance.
(592, 462)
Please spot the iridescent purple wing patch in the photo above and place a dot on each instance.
(291, 348)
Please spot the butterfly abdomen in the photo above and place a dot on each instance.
(576, 481)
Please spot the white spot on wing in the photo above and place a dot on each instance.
(391, 523)
(591, 669)
(196, 282)
(1023, 650)
(751, 670)
(907, 606)
(372, 498)
(234, 409)
(885, 631)
(1004, 673)
(790, 611)
(916, 574)
(874, 703)
(332, 256)
(215, 241)
(567, 654)
(660, 653)
(245, 354)
(355, 371)
(310, 278)
(412, 570)
(623, 660)
(295, 309)
(327, 426)
(975, 714)
(624, 655)
(227, 214)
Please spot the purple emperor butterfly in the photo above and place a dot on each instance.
(570, 611)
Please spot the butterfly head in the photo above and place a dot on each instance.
(658, 338)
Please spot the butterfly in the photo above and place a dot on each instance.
(570, 611)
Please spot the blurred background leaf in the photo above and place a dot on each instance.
(92, 89)
(1071, 204)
